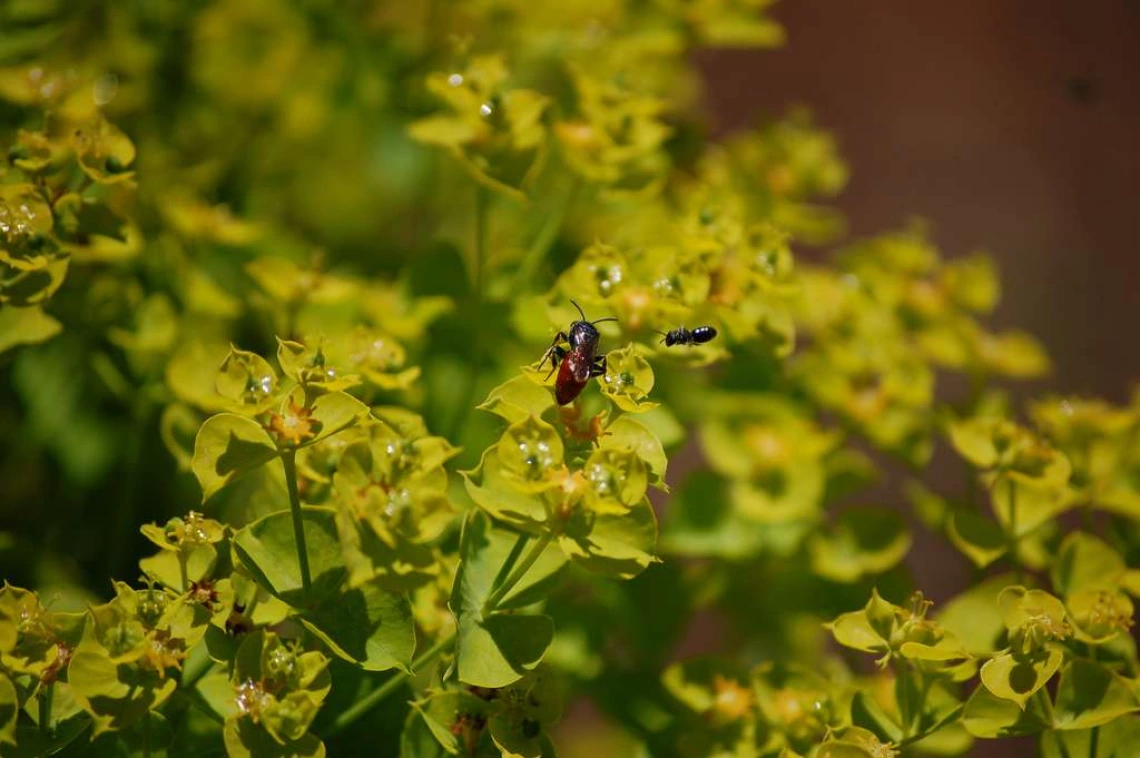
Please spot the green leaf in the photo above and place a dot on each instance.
(192, 371)
(499, 497)
(1017, 678)
(9, 710)
(247, 381)
(336, 411)
(496, 649)
(267, 548)
(530, 452)
(1090, 695)
(628, 380)
(974, 616)
(631, 433)
(1099, 615)
(866, 713)
(854, 630)
(518, 398)
(115, 695)
(445, 716)
(694, 683)
(417, 740)
(853, 742)
(217, 692)
(701, 522)
(1084, 562)
(620, 546)
(1116, 739)
(25, 326)
(988, 716)
(979, 538)
(79, 218)
(177, 570)
(147, 737)
(244, 739)
(862, 542)
(973, 439)
(227, 447)
(366, 626)
(68, 722)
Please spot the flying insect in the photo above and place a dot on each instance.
(578, 364)
(683, 336)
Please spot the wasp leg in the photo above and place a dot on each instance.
(555, 353)
(599, 366)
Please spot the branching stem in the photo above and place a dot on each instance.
(290, 461)
(372, 699)
(518, 573)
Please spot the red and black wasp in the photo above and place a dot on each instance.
(578, 364)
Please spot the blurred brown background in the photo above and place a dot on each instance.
(1009, 125)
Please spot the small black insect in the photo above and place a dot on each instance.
(683, 336)
(582, 360)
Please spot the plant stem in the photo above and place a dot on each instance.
(1013, 532)
(182, 571)
(902, 695)
(512, 558)
(518, 573)
(480, 258)
(545, 238)
(1062, 748)
(347, 717)
(946, 720)
(195, 668)
(475, 302)
(361, 707)
(393, 683)
(127, 507)
(1094, 741)
(45, 708)
(146, 735)
(290, 461)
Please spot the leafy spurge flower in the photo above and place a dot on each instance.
(379, 358)
(855, 740)
(628, 380)
(1099, 440)
(293, 425)
(104, 152)
(1034, 618)
(35, 640)
(392, 502)
(496, 133)
(795, 703)
(1099, 615)
(772, 453)
(277, 686)
(290, 285)
(899, 632)
(732, 700)
(247, 381)
(306, 364)
(616, 140)
(531, 453)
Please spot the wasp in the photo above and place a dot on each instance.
(683, 336)
(578, 364)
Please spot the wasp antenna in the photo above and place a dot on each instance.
(607, 318)
(580, 313)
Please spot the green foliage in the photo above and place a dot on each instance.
(295, 265)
